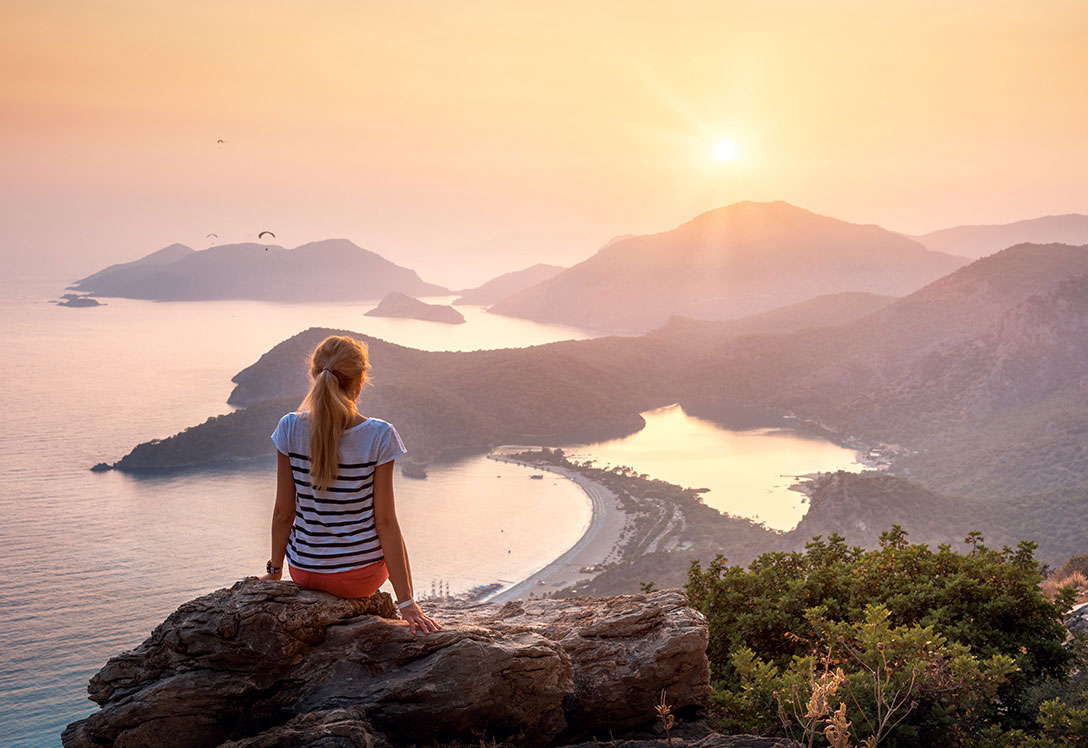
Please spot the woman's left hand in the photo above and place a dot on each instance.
(272, 577)
(416, 618)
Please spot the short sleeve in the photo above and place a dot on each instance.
(390, 447)
(281, 437)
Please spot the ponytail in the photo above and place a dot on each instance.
(338, 367)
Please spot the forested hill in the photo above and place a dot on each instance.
(980, 374)
(978, 378)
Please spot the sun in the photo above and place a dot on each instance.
(725, 151)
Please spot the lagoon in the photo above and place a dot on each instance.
(747, 472)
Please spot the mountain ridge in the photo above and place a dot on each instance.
(889, 376)
(329, 269)
(507, 284)
(727, 263)
(979, 240)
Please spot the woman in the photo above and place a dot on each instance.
(334, 517)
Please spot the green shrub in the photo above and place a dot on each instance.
(971, 634)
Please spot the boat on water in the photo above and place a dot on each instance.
(537, 477)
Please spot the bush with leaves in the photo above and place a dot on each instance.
(991, 635)
(870, 683)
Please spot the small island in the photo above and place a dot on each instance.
(397, 304)
(77, 300)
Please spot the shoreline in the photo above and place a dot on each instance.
(601, 538)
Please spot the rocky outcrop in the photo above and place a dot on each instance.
(335, 728)
(269, 664)
(1077, 619)
(624, 651)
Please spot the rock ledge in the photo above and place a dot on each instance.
(267, 664)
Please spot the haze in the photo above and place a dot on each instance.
(444, 135)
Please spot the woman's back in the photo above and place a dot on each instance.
(334, 528)
(335, 519)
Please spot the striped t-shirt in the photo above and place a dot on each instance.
(334, 529)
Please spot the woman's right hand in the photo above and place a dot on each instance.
(415, 616)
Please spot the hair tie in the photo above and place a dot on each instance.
(328, 370)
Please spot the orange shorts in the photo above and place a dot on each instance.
(362, 582)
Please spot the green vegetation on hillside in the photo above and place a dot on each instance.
(924, 647)
(977, 378)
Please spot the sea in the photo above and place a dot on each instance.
(96, 560)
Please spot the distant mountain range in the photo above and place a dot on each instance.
(508, 284)
(728, 263)
(979, 241)
(333, 269)
(979, 379)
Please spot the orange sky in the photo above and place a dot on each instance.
(531, 131)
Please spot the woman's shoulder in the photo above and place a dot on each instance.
(288, 432)
(373, 428)
(383, 438)
(293, 422)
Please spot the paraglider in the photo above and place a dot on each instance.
(261, 236)
(213, 236)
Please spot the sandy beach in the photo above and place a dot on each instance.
(596, 546)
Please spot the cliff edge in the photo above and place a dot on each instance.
(270, 664)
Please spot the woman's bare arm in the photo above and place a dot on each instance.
(283, 516)
(394, 550)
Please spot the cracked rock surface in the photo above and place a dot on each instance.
(265, 664)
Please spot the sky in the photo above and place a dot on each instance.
(471, 138)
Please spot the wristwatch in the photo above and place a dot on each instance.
(273, 569)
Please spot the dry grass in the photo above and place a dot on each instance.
(1053, 584)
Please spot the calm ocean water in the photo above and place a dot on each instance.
(96, 560)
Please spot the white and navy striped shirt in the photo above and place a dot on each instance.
(334, 529)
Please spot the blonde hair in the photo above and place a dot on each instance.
(338, 367)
